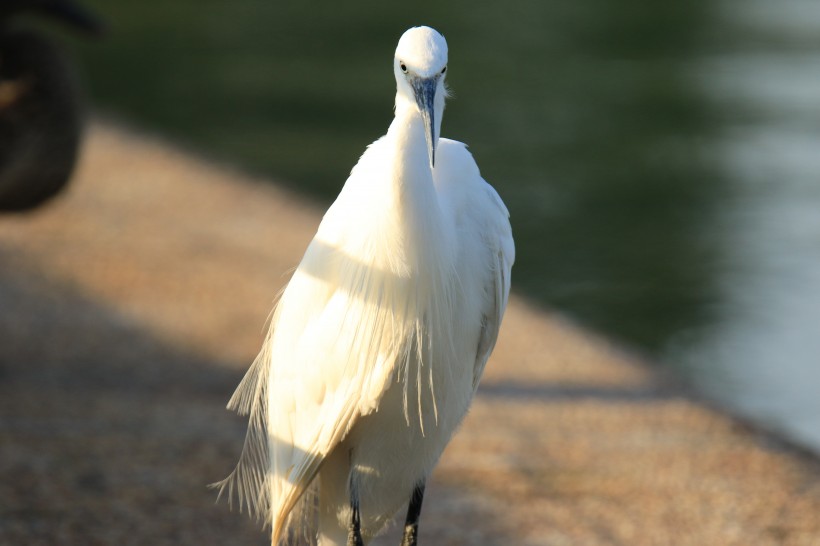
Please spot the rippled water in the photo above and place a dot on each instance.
(760, 352)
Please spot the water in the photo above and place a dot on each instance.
(660, 160)
(761, 351)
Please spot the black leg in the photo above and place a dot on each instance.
(354, 533)
(411, 524)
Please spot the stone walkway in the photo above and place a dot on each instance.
(131, 306)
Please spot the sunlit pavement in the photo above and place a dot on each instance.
(131, 306)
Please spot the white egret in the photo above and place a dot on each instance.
(378, 342)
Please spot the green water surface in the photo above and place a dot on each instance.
(583, 114)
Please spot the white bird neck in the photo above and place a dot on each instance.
(407, 111)
(414, 200)
(406, 134)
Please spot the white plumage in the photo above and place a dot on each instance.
(379, 340)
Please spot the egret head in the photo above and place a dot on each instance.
(420, 67)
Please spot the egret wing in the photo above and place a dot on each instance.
(483, 224)
(498, 237)
(339, 330)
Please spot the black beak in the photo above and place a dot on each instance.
(425, 92)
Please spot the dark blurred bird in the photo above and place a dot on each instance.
(41, 114)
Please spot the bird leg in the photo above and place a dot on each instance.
(354, 532)
(411, 524)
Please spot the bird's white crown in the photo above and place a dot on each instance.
(423, 50)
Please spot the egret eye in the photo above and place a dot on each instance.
(443, 70)
(403, 67)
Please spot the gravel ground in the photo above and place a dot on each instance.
(131, 306)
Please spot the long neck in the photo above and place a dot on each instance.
(413, 194)
(411, 166)
(406, 108)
